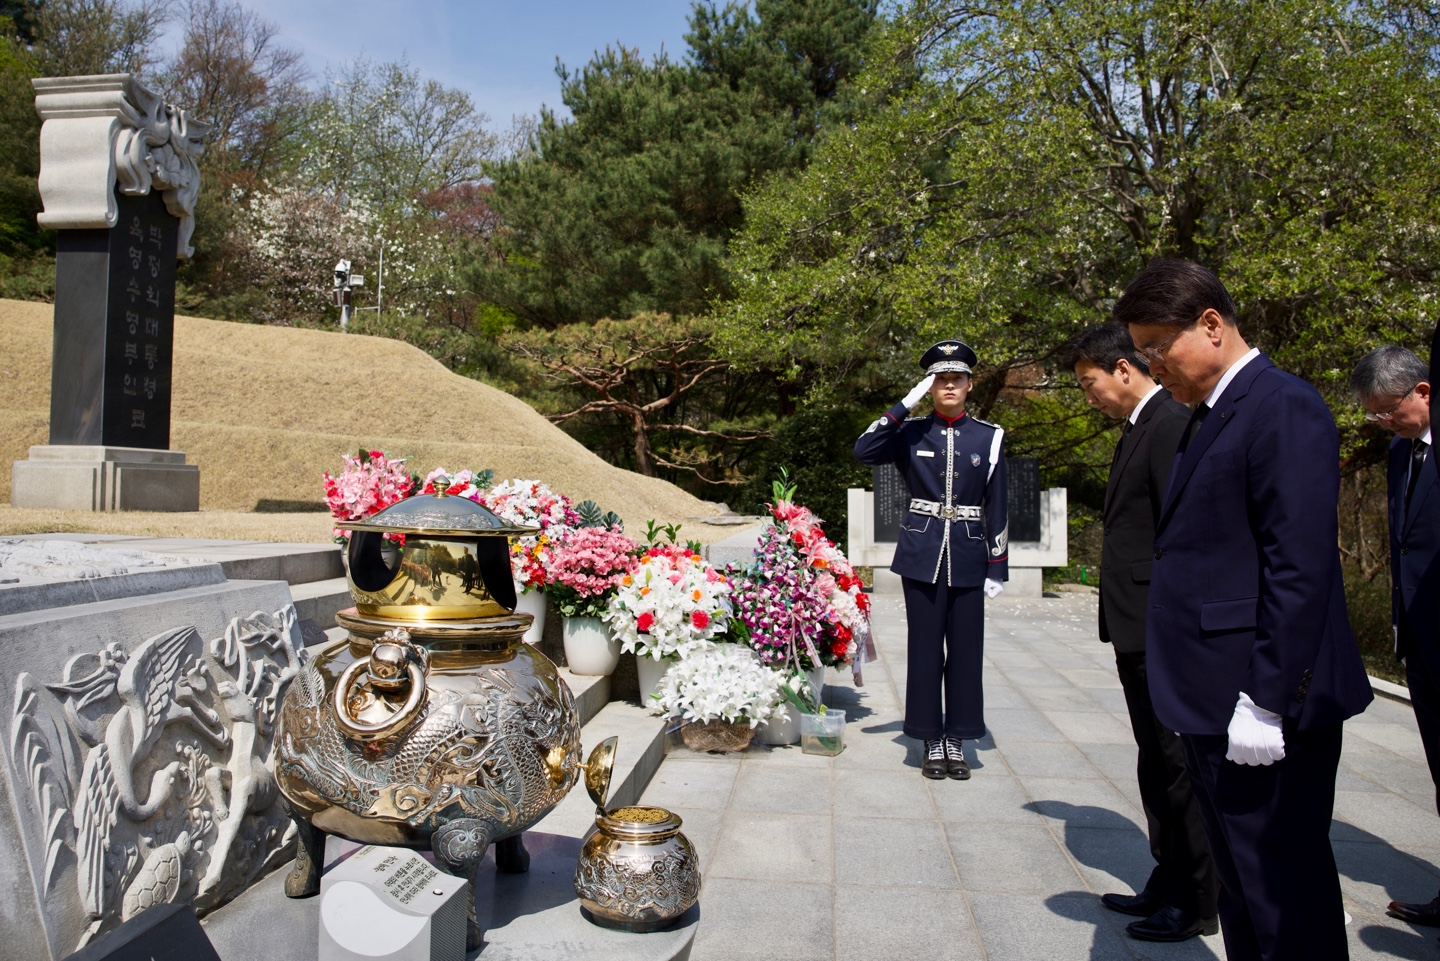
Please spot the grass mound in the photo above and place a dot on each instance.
(264, 410)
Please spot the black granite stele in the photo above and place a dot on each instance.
(115, 330)
(892, 500)
(167, 932)
(1022, 482)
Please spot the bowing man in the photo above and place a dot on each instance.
(1178, 900)
(1250, 655)
(952, 550)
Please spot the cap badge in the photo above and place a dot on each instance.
(974, 460)
(947, 349)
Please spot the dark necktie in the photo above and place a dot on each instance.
(1120, 444)
(1417, 461)
(1196, 419)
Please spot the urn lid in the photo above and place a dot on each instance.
(598, 769)
(440, 514)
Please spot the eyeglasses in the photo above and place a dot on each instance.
(1156, 354)
(1375, 416)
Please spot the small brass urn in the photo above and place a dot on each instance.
(637, 872)
(434, 725)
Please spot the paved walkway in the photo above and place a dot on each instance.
(859, 857)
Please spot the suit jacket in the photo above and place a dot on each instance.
(1245, 589)
(1414, 546)
(956, 464)
(1139, 474)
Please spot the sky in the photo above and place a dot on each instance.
(501, 53)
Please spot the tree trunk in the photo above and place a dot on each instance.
(644, 462)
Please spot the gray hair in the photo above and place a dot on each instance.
(1389, 371)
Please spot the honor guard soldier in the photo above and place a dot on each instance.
(952, 551)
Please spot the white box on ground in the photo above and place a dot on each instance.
(391, 903)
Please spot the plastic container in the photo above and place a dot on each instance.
(823, 734)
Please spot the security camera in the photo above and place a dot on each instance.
(342, 273)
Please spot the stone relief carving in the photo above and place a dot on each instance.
(108, 130)
(148, 772)
(67, 560)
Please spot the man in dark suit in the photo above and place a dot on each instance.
(1179, 899)
(1250, 655)
(1392, 385)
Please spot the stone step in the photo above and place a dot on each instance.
(240, 560)
(319, 600)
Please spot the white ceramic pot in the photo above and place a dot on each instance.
(589, 648)
(650, 672)
(777, 732)
(532, 603)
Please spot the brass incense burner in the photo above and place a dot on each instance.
(432, 724)
(637, 872)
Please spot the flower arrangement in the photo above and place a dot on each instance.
(587, 566)
(533, 504)
(671, 605)
(801, 600)
(722, 682)
(464, 483)
(371, 481)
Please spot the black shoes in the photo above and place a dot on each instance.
(934, 766)
(955, 765)
(1140, 905)
(1172, 924)
(1428, 914)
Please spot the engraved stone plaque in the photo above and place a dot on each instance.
(1023, 480)
(391, 903)
(892, 500)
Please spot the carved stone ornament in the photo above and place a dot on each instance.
(107, 130)
(143, 777)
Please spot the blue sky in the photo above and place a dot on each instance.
(503, 54)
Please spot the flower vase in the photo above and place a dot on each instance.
(531, 602)
(650, 672)
(778, 733)
(590, 649)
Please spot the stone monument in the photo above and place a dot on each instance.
(119, 180)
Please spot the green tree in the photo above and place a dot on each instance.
(627, 205)
(1021, 161)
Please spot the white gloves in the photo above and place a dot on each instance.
(993, 587)
(1255, 736)
(918, 391)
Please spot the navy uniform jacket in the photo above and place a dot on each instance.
(956, 464)
(1414, 545)
(1245, 588)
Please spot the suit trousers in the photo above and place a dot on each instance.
(946, 645)
(1269, 831)
(1425, 699)
(1184, 876)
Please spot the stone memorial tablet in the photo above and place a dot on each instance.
(892, 500)
(1023, 482)
(391, 903)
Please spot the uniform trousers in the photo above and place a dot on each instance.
(946, 645)
(1269, 831)
(1184, 876)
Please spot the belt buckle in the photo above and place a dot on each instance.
(949, 513)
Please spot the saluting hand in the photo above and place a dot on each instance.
(1255, 734)
(918, 391)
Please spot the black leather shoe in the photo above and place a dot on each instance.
(955, 764)
(1416, 913)
(933, 766)
(1172, 924)
(1140, 905)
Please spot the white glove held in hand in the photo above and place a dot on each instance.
(1255, 735)
(918, 391)
(993, 587)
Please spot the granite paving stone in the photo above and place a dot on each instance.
(844, 857)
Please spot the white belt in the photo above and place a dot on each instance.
(957, 512)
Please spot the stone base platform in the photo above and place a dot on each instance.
(84, 478)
